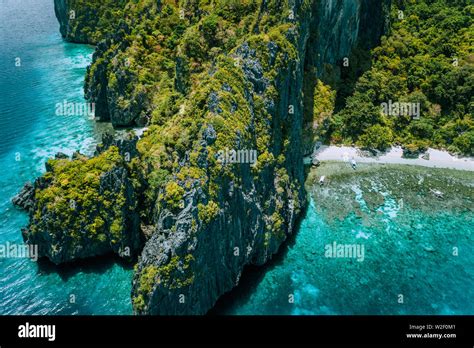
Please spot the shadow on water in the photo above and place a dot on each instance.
(253, 275)
(94, 265)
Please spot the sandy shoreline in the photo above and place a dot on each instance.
(437, 158)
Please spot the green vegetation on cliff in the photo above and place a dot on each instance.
(205, 76)
(85, 207)
(88, 21)
(427, 58)
(209, 78)
(175, 274)
(73, 194)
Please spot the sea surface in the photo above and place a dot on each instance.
(37, 71)
(418, 249)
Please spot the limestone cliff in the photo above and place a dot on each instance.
(189, 263)
(82, 21)
(84, 207)
(216, 80)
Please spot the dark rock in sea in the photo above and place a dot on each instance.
(76, 155)
(25, 198)
(411, 153)
(315, 162)
(61, 155)
(369, 152)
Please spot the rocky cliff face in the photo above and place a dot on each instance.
(218, 93)
(339, 25)
(186, 266)
(338, 28)
(116, 91)
(197, 253)
(61, 10)
(82, 208)
(80, 21)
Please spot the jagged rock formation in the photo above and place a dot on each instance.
(186, 266)
(25, 198)
(227, 77)
(339, 25)
(80, 210)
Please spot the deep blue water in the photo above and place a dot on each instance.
(51, 71)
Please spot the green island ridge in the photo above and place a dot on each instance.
(208, 75)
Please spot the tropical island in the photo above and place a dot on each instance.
(267, 77)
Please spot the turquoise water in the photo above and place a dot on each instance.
(50, 71)
(425, 254)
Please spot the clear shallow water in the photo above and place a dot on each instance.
(408, 249)
(51, 71)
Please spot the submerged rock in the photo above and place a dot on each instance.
(411, 152)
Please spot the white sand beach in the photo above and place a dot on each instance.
(437, 158)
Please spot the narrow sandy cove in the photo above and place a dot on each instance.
(437, 158)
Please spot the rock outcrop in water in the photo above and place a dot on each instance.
(82, 208)
(25, 198)
(219, 85)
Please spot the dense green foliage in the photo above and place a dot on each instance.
(89, 21)
(427, 58)
(77, 209)
(182, 74)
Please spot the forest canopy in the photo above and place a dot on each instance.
(427, 60)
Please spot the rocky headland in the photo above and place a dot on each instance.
(203, 78)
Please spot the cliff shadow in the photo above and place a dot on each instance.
(252, 275)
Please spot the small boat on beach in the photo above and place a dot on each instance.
(321, 180)
(437, 193)
(353, 164)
